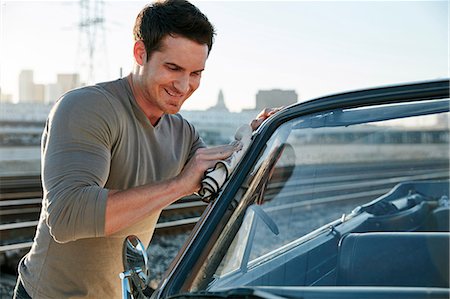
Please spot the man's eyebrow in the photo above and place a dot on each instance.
(182, 68)
(174, 64)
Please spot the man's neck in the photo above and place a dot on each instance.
(140, 101)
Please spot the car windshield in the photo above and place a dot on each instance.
(313, 176)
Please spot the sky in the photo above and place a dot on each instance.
(316, 48)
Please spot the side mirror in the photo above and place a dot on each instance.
(135, 278)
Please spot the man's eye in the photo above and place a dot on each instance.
(173, 67)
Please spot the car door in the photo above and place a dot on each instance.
(308, 167)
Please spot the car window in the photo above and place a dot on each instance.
(323, 166)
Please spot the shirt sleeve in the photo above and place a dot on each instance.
(76, 147)
(197, 141)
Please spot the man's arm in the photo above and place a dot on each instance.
(126, 207)
(76, 162)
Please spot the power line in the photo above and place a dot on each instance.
(92, 33)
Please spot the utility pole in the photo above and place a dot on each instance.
(92, 33)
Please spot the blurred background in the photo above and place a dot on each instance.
(266, 53)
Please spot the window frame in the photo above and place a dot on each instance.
(196, 249)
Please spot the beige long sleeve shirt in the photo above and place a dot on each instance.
(96, 138)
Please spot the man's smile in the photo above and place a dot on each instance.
(173, 93)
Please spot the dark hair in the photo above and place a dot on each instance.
(172, 17)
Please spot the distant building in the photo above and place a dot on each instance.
(67, 82)
(64, 83)
(220, 106)
(5, 97)
(217, 125)
(30, 92)
(39, 93)
(52, 93)
(275, 98)
(26, 86)
(24, 113)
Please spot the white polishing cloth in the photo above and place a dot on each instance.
(216, 176)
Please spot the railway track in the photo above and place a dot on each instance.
(19, 214)
(20, 205)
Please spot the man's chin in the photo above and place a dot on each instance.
(173, 109)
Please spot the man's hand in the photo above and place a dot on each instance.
(262, 116)
(126, 207)
(203, 159)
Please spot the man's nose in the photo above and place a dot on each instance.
(181, 84)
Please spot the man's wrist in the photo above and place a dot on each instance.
(179, 186)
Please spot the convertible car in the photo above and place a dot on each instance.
(345, 196)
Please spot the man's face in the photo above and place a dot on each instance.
(171, 75)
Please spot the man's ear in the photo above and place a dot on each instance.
(140, 54)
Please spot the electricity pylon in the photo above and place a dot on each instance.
(92, 34)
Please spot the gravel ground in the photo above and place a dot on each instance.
(162, 251)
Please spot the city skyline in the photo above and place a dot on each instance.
(49, 92)
(31, 91)
(316, 48)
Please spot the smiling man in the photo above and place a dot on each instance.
(115, 154)
(162, 83)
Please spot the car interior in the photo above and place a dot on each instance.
(400, 240)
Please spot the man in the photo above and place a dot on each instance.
(115, 154)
